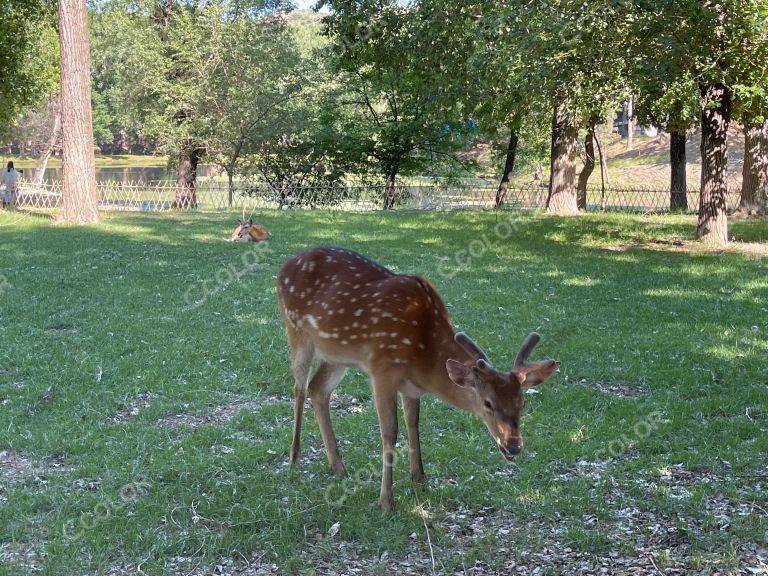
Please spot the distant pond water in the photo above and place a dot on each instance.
(132, 173)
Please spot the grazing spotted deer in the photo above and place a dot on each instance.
(247, 231)
(347, 311)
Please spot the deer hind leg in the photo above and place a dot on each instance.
(325, 379)
(302, 351)
(411, 408)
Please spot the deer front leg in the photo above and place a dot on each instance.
(385, 395)
(411, 407)
(322, 384)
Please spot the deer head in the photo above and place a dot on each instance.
(247, 231)
(499, 396)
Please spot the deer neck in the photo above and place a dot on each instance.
(437, 382)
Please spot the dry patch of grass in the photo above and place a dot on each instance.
(14, 465)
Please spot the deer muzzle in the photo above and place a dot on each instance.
(511, 447)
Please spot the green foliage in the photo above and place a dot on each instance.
(683, 45)
(398, 116)
(29, 55)
(161, 66)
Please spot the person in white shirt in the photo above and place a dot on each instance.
(10, 177)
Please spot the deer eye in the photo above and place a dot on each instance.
(488, 405)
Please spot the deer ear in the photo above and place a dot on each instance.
(534, 373)
(460, 375)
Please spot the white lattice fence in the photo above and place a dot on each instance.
(143, 196)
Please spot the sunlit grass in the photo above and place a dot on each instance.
(108, 331)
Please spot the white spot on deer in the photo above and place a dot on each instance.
(345, 342)
(291, 289)
(324, 334)
(393, 334)
(312, 321)
(374, 320)
(421, 346)
(340, 311)
(406, 341)
(359, 312)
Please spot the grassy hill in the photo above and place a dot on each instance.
(648, 163)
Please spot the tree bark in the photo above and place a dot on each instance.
(50, 146)
(79, 200)
(509, 165)
(589, 167)
(713, 209)
(186, 178)
(230, 187)
(389, 189)
(603, 168)
(562, 166)
(678, 186)
(630, 125)
(754, 182)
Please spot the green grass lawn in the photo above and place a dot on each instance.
(145, 401)
(112, 161)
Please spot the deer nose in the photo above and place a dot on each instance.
(511, 447)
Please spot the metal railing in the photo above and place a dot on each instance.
(142, 196)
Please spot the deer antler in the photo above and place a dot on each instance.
(525, 349)
(470, 347)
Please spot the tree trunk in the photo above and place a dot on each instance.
(562, 166)
(79, 200)
(754, 183)
(603, 169)
(630, 125)
(713, 210)
(47, 151)
(509, 165)
(389, 189)
(186, 179)
(230, 186)
(589, 167)
(122, 141)
(678, 186)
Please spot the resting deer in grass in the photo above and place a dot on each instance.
(347, 310)
(247, 231)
